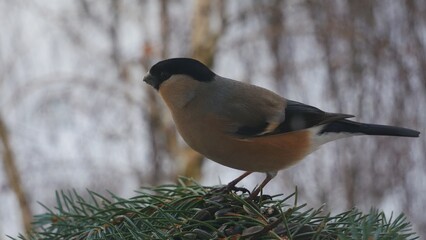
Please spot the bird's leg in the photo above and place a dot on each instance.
(269, 176)
(231, 185)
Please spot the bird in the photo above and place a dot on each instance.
(247, 127)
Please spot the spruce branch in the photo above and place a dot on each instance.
(195, 212)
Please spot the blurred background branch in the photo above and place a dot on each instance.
(14, 177)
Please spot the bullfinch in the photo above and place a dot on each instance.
(247, 127)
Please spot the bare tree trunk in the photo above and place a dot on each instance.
(204, 41)
(280, 44)
(13, 177)
(203, 47)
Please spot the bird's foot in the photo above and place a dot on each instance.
(230, 188)
(256, 198)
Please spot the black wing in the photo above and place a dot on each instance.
(298, 116)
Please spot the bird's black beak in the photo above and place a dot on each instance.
(151, 80)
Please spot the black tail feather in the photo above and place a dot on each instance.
(347, 126)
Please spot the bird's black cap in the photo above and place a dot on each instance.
(163, 70)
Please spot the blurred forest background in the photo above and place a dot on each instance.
(74, 112)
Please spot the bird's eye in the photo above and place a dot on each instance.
(165, 75)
